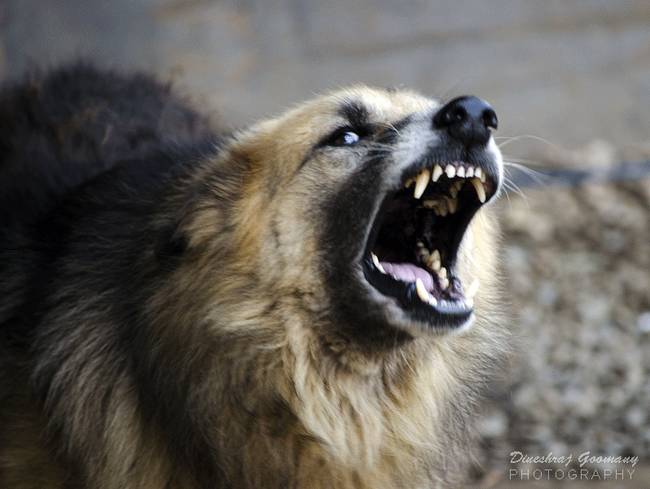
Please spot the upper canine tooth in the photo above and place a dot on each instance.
(460, 172)
(437, 171)
(421, 182)
(480, 190)
(375, 261)
(450, 171)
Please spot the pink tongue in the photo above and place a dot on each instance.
(407, 272)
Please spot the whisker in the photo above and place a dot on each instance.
(535, 175)
(512, 139)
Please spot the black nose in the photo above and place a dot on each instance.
(468, 120)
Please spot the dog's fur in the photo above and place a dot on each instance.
(176, 310)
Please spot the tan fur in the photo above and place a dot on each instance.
(294, 404)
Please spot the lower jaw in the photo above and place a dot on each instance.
(442, 313)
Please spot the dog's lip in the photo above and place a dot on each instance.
(443, 314)
(411, 296)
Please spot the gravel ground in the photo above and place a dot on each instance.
(577, 261)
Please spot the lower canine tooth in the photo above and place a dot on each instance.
(421, 183)
(421, 290)
(480, 190)
(375, 261)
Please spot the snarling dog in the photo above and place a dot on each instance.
(292, 305)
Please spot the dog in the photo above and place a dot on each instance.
(295, 304)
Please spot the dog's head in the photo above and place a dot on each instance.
(366, 206)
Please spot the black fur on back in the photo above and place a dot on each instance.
(87, 162)
(60, 129)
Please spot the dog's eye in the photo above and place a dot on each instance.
(349, 138)
(342, 137)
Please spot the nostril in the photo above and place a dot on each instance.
(467, 119)
(490, 119)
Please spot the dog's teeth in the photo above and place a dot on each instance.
(421, 290)
(480, 190)
(472, 290)
(460, 172)
(442, 208)
(450, 171)
(442, 277)
(470, 172)
(452, 205)
(409, 182)
(437, 171)
(421, 182)
(478, 173)
(434, 261)
(453, 191)
(375, 261)
(430, 204)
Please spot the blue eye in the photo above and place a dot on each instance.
(341, 137)
(349, 138)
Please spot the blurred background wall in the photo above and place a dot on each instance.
(570, 80)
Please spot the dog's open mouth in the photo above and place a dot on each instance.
(413, 243)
